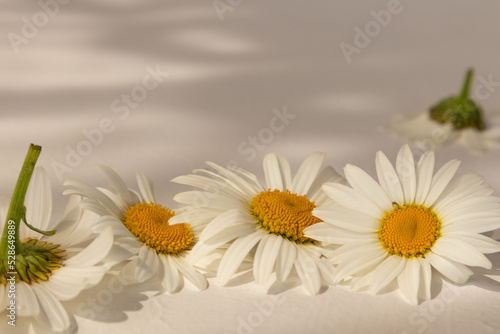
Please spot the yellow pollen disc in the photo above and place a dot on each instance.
(149, 223)
(284, 214)
(409, 230)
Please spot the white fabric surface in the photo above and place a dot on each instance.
(228, 80)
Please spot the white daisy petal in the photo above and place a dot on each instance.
(460, 251)
(102, 223)
(54, 315)
(307, 271)
(251, 177)
(457, 189)
(441, 180)
(355, 249)
(478, 210)
(195, 198)
(328, 174)
(236, 180)
(265, 257)
(360, 282)
(119, 186)
(70, 281)
(205, 247)
(118, 254)
(326, 270)
(147, 264)
(225, 186)
(425, 168)
(472, 225)
(405, 167)
(366, 260)
(286, 173)
(425, 279)
(409, 280)
(170, 278)
(190, 273)
(473, 140)
(94, 252)
(386, 272)
(272, 172)
(38, 203)
(307, 173)
(235, 255)
(454, 271)
(88, 191)
(146, 188)
(27, 303)
(223, 221)
(363, 183)
(285, 260)
(388, 178)
(480, 242)
(347, 219)
(329, 234)
(349, 198)
(197, 181)
(467, 204)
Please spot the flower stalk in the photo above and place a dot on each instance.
(10, 244)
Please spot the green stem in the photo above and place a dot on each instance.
(17, 210)
(464, 95)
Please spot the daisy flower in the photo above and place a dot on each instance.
(408, 222)
(239, 211)
(456, 118)
(48, 269)
(150, 243)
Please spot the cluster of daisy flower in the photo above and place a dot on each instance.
(318, 225)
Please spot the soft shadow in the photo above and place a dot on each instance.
(244, 278)
(293, 281)
(480, 277)
(110, 300)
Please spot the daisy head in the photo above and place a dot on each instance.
(40, 272)
(457, 118)
(143, 231)
(408, 222)
(265, 222)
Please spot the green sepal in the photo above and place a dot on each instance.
(460, 111)
(31, 227)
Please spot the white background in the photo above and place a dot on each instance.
(225, 78)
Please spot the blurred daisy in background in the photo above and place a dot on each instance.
(264, 222)
(55, 268)
(149, 243)
(408, 222)
(457, 118)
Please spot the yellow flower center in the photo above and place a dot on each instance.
(284, 214)
(409, 230)
(37, 262)
(149, 223)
